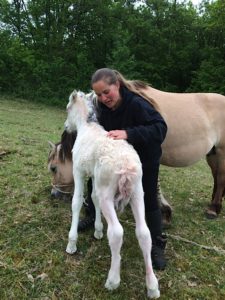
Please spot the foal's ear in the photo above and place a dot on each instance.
(52, 145)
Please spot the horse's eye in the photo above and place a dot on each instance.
(53, 169)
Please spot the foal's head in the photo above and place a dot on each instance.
(61, 167)
(81, 108)
(77, 111)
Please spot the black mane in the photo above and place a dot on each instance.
(67, 142)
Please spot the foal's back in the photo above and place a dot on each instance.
(103, 155)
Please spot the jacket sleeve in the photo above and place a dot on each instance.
(149, 126)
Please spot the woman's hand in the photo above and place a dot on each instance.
(117, 134)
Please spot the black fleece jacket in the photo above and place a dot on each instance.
(145, 127)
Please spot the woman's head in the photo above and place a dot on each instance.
(105, 74)
(107, 82)
(107, 87)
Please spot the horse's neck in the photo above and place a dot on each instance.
(80, 121)
(91, 129)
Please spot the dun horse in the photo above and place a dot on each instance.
(196, 129)
(61, 167)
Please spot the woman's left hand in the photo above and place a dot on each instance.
(117, 134)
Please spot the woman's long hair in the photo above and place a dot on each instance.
(136, 86)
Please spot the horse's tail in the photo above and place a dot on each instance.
(126, 183)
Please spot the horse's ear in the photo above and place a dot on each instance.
(74, 95)
(52, 145)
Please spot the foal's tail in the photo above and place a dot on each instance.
(127, 180)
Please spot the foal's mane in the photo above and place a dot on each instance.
(67, 142)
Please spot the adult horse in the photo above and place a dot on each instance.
(60, 165)
(196, 129)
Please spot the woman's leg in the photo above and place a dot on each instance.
(89, 219)
(153, 216)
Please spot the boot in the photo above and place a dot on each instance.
(157, 254)
(154, 222)
(89, 219)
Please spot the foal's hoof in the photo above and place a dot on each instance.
(153, 294)
(98, 234)
(110, 285)
(71, 247)
(210, 214)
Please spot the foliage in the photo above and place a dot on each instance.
(50, 47)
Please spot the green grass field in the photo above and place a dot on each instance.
(34, 228)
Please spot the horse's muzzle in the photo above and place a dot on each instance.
(55, 194)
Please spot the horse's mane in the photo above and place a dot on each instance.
(67, 142)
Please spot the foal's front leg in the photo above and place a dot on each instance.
(76, 207)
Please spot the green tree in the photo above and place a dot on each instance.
(211, 73)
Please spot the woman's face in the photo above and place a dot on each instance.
(108, 94)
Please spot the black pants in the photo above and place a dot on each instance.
(150, 182)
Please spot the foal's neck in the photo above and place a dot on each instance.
(81, 122)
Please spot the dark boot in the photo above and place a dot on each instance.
(89, 219)
(157, 254)
(86, 223)
(154, 222)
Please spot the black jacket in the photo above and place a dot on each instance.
(146, 129)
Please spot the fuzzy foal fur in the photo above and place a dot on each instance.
(117, 180)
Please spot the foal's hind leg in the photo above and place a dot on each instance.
(144, 239)
(216, 161)
(98, 222)
(115, 237)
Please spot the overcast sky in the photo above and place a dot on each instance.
(195, 2)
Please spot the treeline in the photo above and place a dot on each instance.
(50, 47)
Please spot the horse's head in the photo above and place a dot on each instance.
(77, 111)
(80, 108)
(61, 167)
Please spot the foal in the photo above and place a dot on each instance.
(116, 171)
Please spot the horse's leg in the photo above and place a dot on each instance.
(144, 239)
(98, 222)
(165, 207)
(115, 237)
(216, 161)
(77, 202)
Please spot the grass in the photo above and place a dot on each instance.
(34, 228)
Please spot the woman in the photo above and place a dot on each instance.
(127, 114)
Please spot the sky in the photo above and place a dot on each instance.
(195, 2)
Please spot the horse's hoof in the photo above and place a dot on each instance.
(110, 285)
(154, 294)
(210, 214)
(166, 216)
(98, 234)
(166, 224)
(71, 247)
